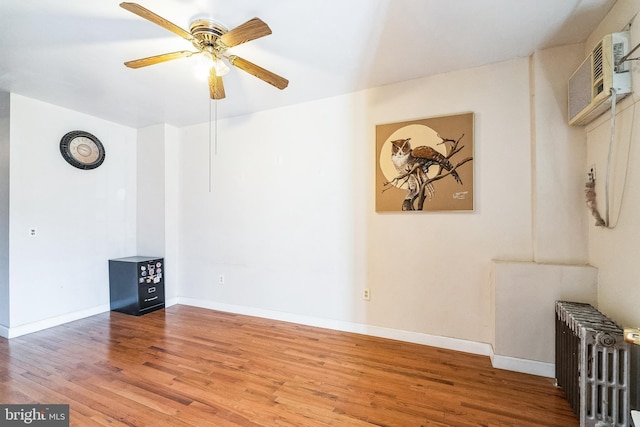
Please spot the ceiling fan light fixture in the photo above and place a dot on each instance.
(207, 60)
(202, 65)
(220, 67)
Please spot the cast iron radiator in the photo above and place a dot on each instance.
(592, 365)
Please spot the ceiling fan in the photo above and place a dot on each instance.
(211, 41)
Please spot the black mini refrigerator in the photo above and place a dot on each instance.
(136, 284)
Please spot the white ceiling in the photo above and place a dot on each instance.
(71, 52)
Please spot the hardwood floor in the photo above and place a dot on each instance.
(187, 366)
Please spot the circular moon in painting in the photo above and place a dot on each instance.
(420, 135)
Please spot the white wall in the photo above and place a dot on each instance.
(560, 219)
(151, 184)
(525, 294)
(616, 251)
(171, 213)
(158, 151)
(4, 212)
(442, 288)
(279, 222)
(291, 223)
(83, 218)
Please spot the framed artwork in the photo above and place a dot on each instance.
(425, 164)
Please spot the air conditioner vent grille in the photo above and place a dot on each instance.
(597, 62)
(580, 86)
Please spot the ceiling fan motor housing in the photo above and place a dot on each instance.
(207, 32)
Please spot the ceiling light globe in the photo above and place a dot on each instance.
(220, 67)
(202, 65)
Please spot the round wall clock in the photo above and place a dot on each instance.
(82, 150)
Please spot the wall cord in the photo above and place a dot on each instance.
(609, 222)
(608, 173)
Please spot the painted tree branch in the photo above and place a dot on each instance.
(428, 183)
(395, 182)
(454, 145)
(454, 148)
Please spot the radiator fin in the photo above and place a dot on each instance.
(592, 365)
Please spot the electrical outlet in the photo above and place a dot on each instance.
(366, 295)
(221, 279)
(33, 232)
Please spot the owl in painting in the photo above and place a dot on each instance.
(416, 162)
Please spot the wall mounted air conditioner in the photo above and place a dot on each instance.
(590, 85)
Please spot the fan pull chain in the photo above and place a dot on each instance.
(210, 146)
(215, 146)
(215, 152)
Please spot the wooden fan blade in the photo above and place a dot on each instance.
(151, 60)
(259, 72)
(156, 19)
(250, 30)
(216, 88)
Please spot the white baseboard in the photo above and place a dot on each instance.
(40, 325)
(338, 325)
(525, 366)
(59, 320)
(171, 301)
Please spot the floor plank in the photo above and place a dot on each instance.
(187, 366)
